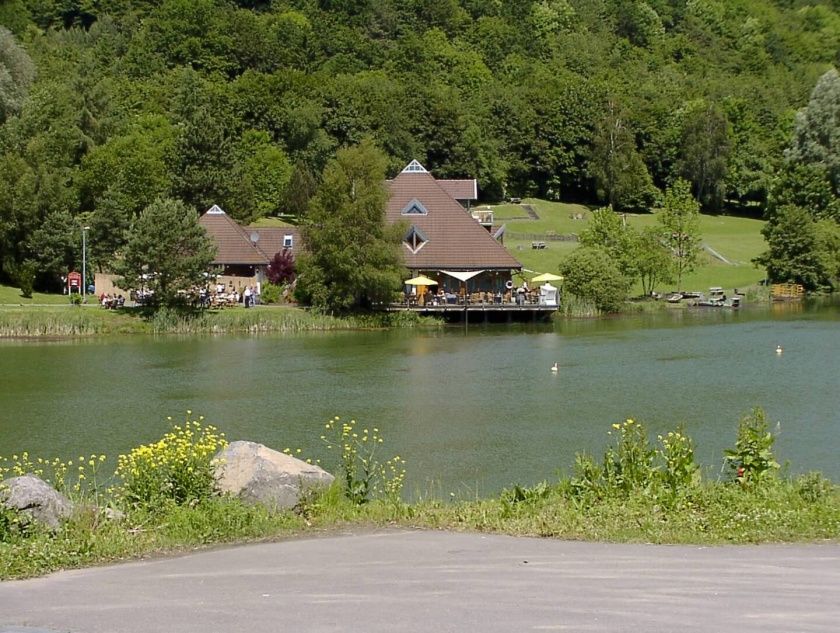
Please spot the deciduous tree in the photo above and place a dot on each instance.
(704, 152)
(679, 225)
(591, 274)
(167, 251)
(816, 135)
(16, 74)
(352, 257)
(795, 251)
(621, 177)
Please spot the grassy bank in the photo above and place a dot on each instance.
(640, 491)
(67, 321)
(715, 514)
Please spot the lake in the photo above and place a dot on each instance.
(470, 412)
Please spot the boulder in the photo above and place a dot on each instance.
(258, 474)
(35, 499)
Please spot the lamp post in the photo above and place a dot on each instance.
(85, 229)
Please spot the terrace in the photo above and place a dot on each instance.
(485, 306)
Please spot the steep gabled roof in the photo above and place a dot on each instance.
(233, 243)
(272, 239)
(460, 189)
(455, 240)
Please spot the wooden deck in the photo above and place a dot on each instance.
(479, 312)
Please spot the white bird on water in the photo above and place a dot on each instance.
(779, 349)
(555, 368)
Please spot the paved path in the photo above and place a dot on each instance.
(531, 211)
(433, 581)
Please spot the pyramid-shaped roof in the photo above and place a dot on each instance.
(455, 241)
(234, 245)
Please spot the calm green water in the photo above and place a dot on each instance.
(471, 413)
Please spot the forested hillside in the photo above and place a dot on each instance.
(106, 105)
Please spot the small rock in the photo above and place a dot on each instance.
(36, 499)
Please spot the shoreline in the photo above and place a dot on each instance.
(42, 322)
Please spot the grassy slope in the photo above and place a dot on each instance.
(736, 239)
(10, 295)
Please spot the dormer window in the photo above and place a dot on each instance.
(414, 168)
(415, 239)
(287, 241)
(415, 207)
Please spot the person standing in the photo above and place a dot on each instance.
(247, 296)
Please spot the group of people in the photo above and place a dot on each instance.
(110, 302)
(249, 297)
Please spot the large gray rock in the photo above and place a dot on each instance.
(258, 474)
(35, 499)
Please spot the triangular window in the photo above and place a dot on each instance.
(215, 210)
(414, 168)
(415, 239)
(415, 207)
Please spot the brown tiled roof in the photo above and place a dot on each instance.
(455, 240)
(460, 189)
(271, 239)
(233, 243)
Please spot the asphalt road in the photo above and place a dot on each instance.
(435, 581)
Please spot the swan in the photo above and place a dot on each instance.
(779, 349)
(555, 368)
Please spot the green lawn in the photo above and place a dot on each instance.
(270, 222)
(9, 295)
(736, 239)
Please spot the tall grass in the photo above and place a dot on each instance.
(66, 321)
(72, 321)
(574, 307)
(251, 320)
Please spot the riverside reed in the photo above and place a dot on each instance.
(73, 321)
(639, 491)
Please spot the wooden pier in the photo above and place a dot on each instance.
(479, 312)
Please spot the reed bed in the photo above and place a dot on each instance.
(69, 321)
(74, 321)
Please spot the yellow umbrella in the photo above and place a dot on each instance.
(420, 281)
(547, 277)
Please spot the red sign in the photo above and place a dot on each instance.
(74, 280)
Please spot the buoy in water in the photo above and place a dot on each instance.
(555, 368)
(779, 349)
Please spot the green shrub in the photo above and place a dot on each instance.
(271, 293)
(679, 470)
(629, 466)
(751, 461)
(632, 466)
(591, 275)
(520, 498)
(26, 278)
(176, 469)
(813, 487)
(10, 524)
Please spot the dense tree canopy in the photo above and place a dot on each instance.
(106, 105)
(800, 249)
(353, 257)
(591, 274)
(167, 253)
